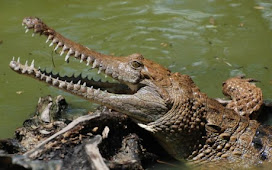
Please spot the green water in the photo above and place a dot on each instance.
(208, 40)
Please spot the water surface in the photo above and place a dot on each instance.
(208, 40)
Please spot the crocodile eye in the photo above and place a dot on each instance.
(136, 64)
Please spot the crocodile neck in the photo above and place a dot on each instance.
(197, 127)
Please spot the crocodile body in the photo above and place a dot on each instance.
(185, 121)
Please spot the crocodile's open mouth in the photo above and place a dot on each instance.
(73, 83)
(135, 94)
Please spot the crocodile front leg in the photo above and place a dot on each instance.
(247, 99)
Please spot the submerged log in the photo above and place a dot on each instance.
(94, 156)
(101, 140)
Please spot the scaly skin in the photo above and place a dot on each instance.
(247, 99)
(187, 123)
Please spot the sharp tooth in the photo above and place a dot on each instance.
(82, 58)
(48, 79)
(96, 92)
(42, 76)
(70, 52)
(67, 57)
(89, 91)
(99, 70)
(24, 70)
(12, 64)
(49, 38)
(30, 70)
(65, 83)
(55, 82)
(58, 45)
(17, 68)
(77, 54)
(83, 88)
(88, 61)
(55, 40)
(77, 86)
(70, 86)
(55, 49)
(26, 30)
(51, 44)
(62, 84)
(61, 53)
(38, 74)
(32, 64)
(94, 64)
(18, 60)
(63, 50)
(26, 63)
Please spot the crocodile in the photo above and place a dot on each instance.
(186, 122)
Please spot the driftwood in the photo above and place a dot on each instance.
(33, 152)
(94, 155)
(101, 140)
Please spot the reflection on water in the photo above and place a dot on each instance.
(209, 40)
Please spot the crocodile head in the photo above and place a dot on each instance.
(140, 92)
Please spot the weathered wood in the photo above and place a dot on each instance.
(94, 156)
(76, 145)
(33, 152)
